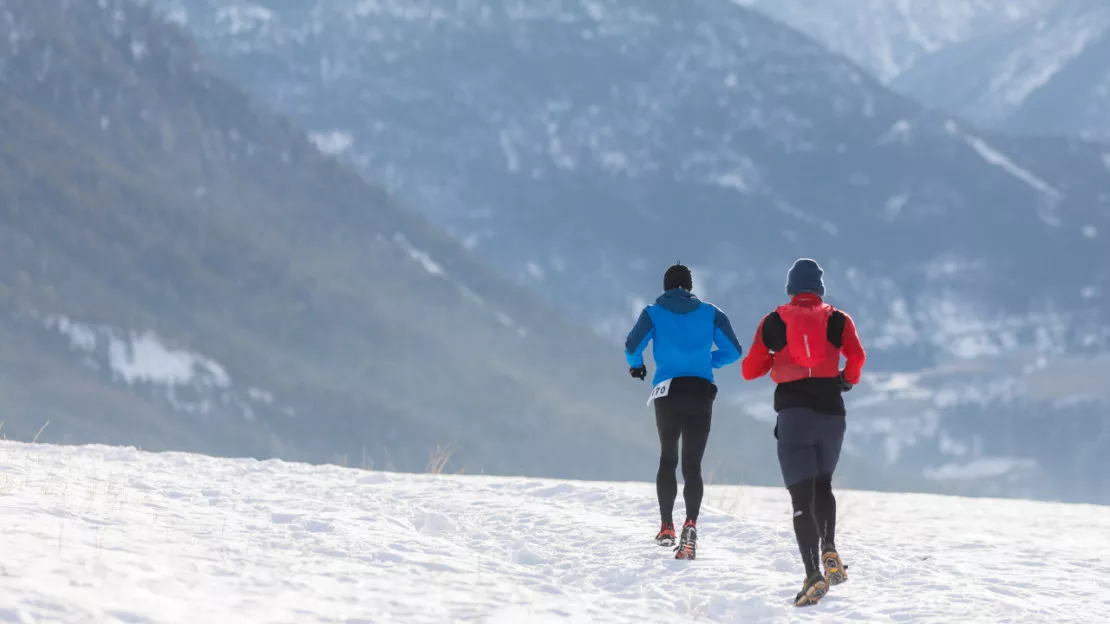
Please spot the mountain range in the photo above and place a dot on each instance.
(580, 147)
(890, 37)
(1048, 74)
(1028, 67)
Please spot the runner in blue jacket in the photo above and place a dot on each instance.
(683, 330)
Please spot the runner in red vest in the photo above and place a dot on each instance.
(800, 345)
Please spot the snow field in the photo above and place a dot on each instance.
(106, 534)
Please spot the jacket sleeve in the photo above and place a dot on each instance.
(758, 362)
(853, 352)
(728, 346)
(638, 340)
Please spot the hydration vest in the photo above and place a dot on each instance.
(808, 352)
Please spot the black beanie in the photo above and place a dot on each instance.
(678, 276)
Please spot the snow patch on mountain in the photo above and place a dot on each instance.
(177, 16)
(894, 205)
(431, 266)
(512, 159)
(980, 468)
(535, 271)
(188, 381)
(80, 336)
(994, 157)
(899, 328)
(260, 395)
(998, 159)
(333, 142)
(436, 269)
(142, 357)
(900, 131)
(808, 218)
(904, 412)
(242, 18)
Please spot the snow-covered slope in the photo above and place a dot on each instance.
(583, 146)
(112, 534)
(1046, 74)
(889, 36)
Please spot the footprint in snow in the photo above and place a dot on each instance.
(318, 526)
(283, 518)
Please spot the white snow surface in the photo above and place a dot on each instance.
(111, 534)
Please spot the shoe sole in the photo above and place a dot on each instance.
(834, 575)
(813, 595)
(688, 554)
(665, 542)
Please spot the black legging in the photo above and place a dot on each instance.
(688, 417)
(814, 519)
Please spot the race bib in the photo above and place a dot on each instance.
(660, 391)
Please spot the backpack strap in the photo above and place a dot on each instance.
(774, 332)
(836, 328)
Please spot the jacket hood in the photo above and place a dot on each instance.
(679, 301)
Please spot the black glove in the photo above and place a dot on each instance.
(640, 372)
(844, 385)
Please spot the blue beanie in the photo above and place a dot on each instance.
(805, 277)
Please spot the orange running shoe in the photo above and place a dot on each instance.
(666, 535)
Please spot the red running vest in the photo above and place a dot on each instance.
(808, 352)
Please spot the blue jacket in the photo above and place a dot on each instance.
(684, 330)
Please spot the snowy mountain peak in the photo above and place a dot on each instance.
(890, 36)
(1025, 66)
